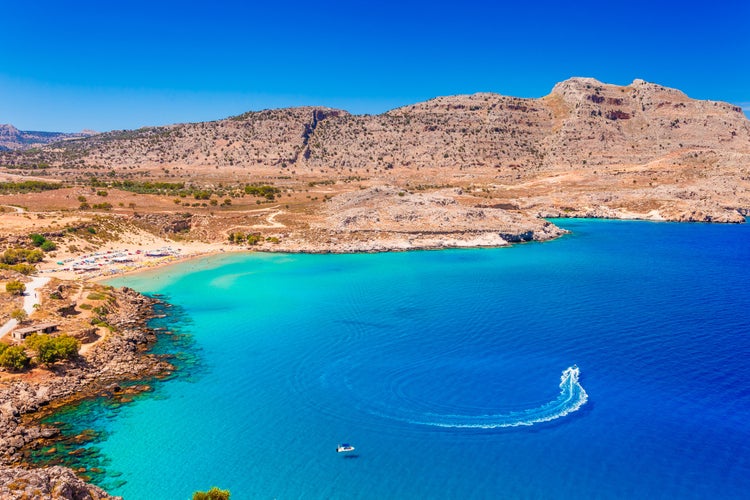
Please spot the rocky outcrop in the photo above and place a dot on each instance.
(55, 483)
(164, 224)
(388, 208)
(670, 212)
(122, 356)
(387, 218)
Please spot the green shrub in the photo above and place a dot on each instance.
(25, 269)
(28, 187)
(34, 256)
(15, 287)
(13, 358)
(13, 256)
(48, 246)
(266, 191)
(50, 349)
(10, 256)
(37, 239)
(19, 315)
(212, 494)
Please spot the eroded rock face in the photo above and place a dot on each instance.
(389, 218)
(48, 483)
(165, 223)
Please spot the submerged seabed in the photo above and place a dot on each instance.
(435, 365)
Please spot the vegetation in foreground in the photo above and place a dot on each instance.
(212, 494)
(43, 349)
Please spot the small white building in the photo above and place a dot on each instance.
(20, 334)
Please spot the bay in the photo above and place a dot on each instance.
(447, 371)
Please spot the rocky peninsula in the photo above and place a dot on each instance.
(121, 356)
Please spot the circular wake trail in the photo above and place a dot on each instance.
(572, 396)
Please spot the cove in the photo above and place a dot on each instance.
(610, 363)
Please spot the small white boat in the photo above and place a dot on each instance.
(343, 448)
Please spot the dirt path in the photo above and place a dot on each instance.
(18, 210)
(30, 299)
(272, 224)
(270, 220)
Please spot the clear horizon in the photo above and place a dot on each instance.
(101, 67)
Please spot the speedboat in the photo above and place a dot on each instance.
(343, 448)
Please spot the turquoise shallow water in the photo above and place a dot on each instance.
(431, 364)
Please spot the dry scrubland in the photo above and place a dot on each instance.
(586, 149)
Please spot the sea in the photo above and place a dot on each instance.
(613, 362)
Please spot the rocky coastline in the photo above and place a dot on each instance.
(122, 357)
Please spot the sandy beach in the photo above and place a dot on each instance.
(123, 258)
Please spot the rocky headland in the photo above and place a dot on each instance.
(120, 357)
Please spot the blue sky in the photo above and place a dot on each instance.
(65, 66)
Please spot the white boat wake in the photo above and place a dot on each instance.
(572, 396)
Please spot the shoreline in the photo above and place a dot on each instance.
(16, 407)
(343, 242)
(123, 358)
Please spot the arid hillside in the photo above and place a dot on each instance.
(586, 149)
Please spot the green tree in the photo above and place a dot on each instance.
(19, 315)
(50, 349)
(14, 358)
(212, 494)
(15, 287)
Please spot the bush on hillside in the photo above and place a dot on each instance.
(15, 287)
(50, 349)
(13, 358)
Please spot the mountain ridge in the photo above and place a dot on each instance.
(640, 150)
(12, 139)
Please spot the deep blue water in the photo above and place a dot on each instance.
(430, 362)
